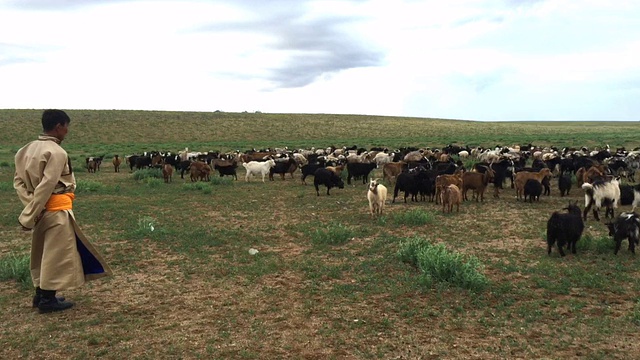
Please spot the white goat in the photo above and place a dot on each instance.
(599, 194)
(258, 168)
(377, 195)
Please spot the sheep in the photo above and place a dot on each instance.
(565, 228)
(377, 195)
(451, 195)
(258, 168)
(533, 189)
(521, 178)
(382, 158)
(477, 182)
(167, 172)
(564, 184)
(116, 163)
(601, 193)
(626, 226)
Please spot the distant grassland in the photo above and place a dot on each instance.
(120, 131)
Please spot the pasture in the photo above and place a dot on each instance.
(328, 281)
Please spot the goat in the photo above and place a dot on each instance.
(390, 171)
(626, 226)
(258, 168)
(359, 170)
(601, 193)
(564, 183)
(533, 189)
(477, 182)
(328, 178)
(167, 172)
(565, 228)
(116, 163)
(521, 178)
(377, 195)
(442, 181)
(451, 195)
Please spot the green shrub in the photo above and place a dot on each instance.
(197, 186)
(413, 217)
(153, 182)
(89, 186)
(437, 264)
(16, 267)
(334, 234)
(599, 245)
(147, 173)
(217, 180)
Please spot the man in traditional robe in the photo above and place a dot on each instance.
(61, 256)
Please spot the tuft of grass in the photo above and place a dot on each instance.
(5, 164)
(437, 264)
(635, 313)
(147, 173)
(334, 234)
(599, 245)
(413, 217)
(197, 186)
(217, 180)
(83, 186)
(16, 267)
(6, 186)
(153, 182)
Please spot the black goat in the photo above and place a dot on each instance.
(565, 228)
(533, 189)
(626, 226)
(564, 183)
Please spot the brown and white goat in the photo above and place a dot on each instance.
(377, 195)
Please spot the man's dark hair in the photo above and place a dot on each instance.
(53, 117)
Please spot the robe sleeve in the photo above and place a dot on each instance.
(53, 167)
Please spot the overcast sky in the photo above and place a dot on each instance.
(473, 60)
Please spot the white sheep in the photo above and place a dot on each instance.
(258, 168)
(382, 158)
(377, 195)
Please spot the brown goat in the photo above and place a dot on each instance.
(442, 181)
(522, 177)
(167, 172)
(593, 173)
(336, 169)
(390, 171)
(116, 163)
(451, 195)
(200, 171)
(476, 181)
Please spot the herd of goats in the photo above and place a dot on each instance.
(443, 175)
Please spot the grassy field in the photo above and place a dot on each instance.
(328, 282)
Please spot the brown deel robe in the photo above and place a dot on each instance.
(61, 255)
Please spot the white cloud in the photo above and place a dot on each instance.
(471, 60)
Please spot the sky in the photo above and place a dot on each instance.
(493, 60)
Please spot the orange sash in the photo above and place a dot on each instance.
(60, 202)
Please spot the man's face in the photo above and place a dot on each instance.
(61, 131)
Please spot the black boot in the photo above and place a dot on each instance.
(49, 303)
(38, 296)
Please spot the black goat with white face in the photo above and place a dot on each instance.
(625, 226)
